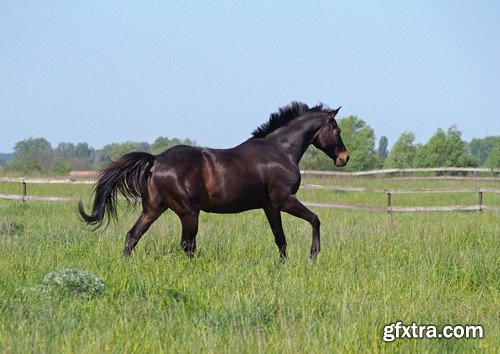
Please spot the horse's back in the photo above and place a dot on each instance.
(183, 159)
(222, 180)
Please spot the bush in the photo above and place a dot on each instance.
(71, 282)
(18, 164)
(61, 167)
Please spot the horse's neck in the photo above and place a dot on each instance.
(296, 138)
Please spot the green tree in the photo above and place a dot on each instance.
(5, 158)
(23, 165)
(61, 167)
(163, 143)
(32, 155)
(445, 149)
(481, 148)
(382, 147)
(31, 146)
(65, 150)
(402, 154)
(314, 159)
(359, 139)
(114, 151)
(493, 160)
(78, 157)
(84, 151)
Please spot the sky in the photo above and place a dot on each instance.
(112, 71)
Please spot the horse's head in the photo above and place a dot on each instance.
(328, 140)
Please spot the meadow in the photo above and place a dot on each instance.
(236, 295)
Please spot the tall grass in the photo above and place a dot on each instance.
(236, 295)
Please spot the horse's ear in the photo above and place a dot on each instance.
(334, 112)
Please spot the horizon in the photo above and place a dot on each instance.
(390, 144)
(104, 72)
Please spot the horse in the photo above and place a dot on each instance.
(260, 173)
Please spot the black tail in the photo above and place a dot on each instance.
(129, 176)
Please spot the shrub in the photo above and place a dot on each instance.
(71, 282)
(61, 167)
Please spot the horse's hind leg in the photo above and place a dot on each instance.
(142, 225)
(189, 214)
(189, 222)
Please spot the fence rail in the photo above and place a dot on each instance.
(25, 198)
(400, 191)
(388, 192)
(494, 171)
(46, 180)
(403, 209)
(88, 177)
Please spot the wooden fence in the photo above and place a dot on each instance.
(402, 171)
(389, 207)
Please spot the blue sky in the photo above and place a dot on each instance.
(110, 71)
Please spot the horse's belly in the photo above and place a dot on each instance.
(230, 185)
(227, 201)
(229, 209)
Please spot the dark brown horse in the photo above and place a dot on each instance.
(260, 173)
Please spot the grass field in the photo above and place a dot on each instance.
(236, 296)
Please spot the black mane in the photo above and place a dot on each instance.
(284, 116)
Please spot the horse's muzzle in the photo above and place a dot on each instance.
(342, 159)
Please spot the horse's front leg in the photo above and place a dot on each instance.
(294, 207)
(274, 219)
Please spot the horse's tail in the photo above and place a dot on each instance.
(129, 176)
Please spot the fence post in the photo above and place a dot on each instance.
(389, 208)
(24, 190)
(480, 200)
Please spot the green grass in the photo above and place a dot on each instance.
(235, 295)
(37, 189)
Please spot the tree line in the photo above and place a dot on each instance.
(443, 149)
(37, 154)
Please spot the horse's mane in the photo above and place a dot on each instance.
(284, 116)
